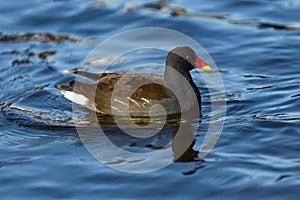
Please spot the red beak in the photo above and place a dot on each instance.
(201, 64)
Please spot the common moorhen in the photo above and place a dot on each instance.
(153, 89)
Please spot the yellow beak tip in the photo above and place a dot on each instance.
(207, 67)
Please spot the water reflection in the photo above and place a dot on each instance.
(115, 148)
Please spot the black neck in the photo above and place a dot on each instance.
(172, 78)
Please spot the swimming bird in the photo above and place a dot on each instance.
(117, 93)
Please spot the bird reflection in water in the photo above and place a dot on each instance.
(176, 135)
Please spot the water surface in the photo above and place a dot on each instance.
(254, 43)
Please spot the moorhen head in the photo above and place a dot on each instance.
(184, 59)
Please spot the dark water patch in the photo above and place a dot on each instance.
(255, 76)
(98, 4)
(193, 171)
(274, 117)
(21, 61)
(45, 54)
(221, 71)
(287, 176)
(263, 25)
(42, 37)
(296, 95)
(174, 11)
(262, 88)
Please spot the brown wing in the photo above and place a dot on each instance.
(115, 91)
(90, 75)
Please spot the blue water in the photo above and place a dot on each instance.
(255, 44)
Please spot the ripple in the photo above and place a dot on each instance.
(36, 119)
(265, 117)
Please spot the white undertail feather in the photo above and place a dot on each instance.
(67, 71)
(79, 99)
(75, 97)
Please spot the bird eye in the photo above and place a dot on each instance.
(188, 57)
